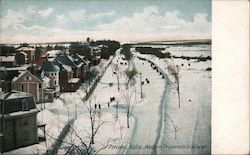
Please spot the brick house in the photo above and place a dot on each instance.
(66, 80)
(19, 122)
(83, 63)
(70, 73)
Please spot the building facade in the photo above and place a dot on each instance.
(27, 82)
(18, 120)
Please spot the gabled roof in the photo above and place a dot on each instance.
(80, 58)
(60, 64)
(65, 60)
(25, 73)
(22, 53)
(49, 66)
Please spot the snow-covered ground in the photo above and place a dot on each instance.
(154, 115)
(193, 119)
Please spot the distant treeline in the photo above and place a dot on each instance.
(154, 51)
(7, 50)
(126, 51)
(109, 47)
(157, 52)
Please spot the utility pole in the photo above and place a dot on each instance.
(116, 109)
(141, 83)
(76, 111)
(68, 114)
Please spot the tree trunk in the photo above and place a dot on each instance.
(127, 121)
(178, 91)
(116, 109)
(118, 85)
(92, 134)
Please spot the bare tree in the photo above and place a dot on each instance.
(117, 72)
(84, 145)
(175, 72)
(127, 97)
(175, 127)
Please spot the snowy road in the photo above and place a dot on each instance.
(148, 116)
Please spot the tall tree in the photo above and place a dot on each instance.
(175, 72)
(127, 96)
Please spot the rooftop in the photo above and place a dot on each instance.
(49, 66)
(17, 101)
(7, 58)
(25, 49)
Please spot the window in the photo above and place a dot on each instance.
(55, 82)
(40, 85)
(28, 78)
(55, 73)
(22, 87)
(52, 74)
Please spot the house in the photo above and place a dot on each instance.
(29, 51)
(82, 49)
(7, 74)
(50, 70)
(66, 80)
(18, 120)
(40, 56)
(21, 58)
(28, 82)
(83, 63)
(7, 61)
(70, 73)
(68, 61)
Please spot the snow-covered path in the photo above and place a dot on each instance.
(148, 115)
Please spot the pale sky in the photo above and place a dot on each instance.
(125, 21)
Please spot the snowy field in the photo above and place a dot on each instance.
(193, 120)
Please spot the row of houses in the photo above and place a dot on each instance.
(36, 75)
(64, 73)
(44, 73)
(26, 54)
